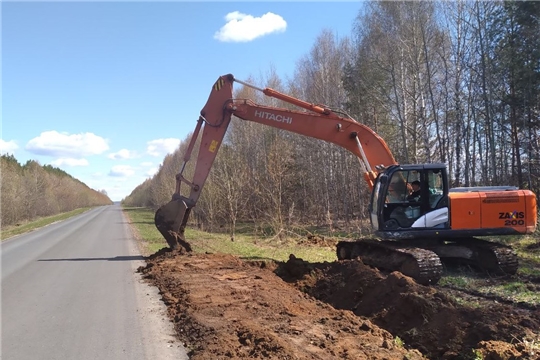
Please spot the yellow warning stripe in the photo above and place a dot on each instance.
(219, 84)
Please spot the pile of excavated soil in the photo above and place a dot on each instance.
(226, 308)
(424, 317)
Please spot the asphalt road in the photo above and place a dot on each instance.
(70, 290)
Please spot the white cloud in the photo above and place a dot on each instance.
(69, 162)
(121, 171)
(242, 27)
(122, 155)
(151, 168)
(151, 172)
(53, 143)
(162, 147)
(8, 147)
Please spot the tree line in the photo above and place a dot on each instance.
(454, 82)
(31, 191)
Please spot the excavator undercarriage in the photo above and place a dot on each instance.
(423, 260)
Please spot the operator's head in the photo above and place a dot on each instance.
(415, 185)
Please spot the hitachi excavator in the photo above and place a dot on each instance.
(413, 233)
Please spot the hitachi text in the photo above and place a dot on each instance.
(269, 116)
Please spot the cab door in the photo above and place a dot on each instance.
(376, 199)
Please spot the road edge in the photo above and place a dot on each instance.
(153, 312)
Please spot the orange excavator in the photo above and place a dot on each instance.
(413, 231)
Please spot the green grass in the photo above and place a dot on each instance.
(10, 231)
(513, 290)
(528, 251)
(459, 280)
(254, 247)
(529, 268)
(477, 355)
(142, 220)
(245, 245)
(517, 288)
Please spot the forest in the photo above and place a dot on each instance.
(31, 191)
(455, 82)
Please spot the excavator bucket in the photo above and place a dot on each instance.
(170, 220)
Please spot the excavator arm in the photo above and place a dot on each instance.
(317, 122)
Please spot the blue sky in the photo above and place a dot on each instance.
(104, 90)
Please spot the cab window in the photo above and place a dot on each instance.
(400, 186)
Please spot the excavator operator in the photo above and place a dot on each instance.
(415, 194)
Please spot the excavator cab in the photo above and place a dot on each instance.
(440, 212)
(397, 208)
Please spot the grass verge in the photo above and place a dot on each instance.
(10, 231)
(245, 245)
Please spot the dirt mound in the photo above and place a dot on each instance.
(223, 307)
(317, 240)
(424, 317)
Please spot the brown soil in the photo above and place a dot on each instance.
(227, 308)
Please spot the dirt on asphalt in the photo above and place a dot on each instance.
(227, 308)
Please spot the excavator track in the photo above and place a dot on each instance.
(421, 264)
(421, 259)
(489, 256)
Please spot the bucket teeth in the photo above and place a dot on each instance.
(166, 221)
